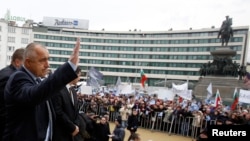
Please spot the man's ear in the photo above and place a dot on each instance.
(18, 63)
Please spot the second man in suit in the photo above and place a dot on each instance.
(68, 124)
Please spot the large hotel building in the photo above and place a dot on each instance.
(170, 54)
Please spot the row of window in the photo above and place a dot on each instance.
(23, 40)
(143, 49)
(132, 63)
(120, 41)
(134, 70)
(140, 56)
(156, 49)
(145, 35)
(138, 63)
(11, 48)
(13, 30)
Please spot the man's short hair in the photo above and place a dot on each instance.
(18, 54)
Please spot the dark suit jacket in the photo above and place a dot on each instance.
(67, 116)
(102, 131)
(4, 76)
(27, 118)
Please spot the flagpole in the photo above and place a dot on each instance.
(135, 76)
(165, 81)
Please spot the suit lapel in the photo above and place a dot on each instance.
(24, 70)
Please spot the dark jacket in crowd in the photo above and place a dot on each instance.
(119, 133)
(133, 123)
(67, 116)
(102, 132)
(4, 76)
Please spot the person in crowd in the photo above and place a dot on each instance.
(130, 104)
(246, 81)
(89, 119)
(102, 130)
(197, 122)
(167, 117)
(133, 122)
(69, 125)
(119, 132)
(247, 119)
(29, 112)
(185, 115)
(124, 112)
(16, 63)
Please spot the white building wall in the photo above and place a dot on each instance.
(3, 42)
(22, 36)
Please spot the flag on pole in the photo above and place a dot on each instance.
(143, 78)
(128, 80)
(235, 99)
(165, 84)
(209, 91)
(94, 78)
(217, 100)
(118, 82)
(180, 99)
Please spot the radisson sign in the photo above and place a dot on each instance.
(66, 22)
(8, 17)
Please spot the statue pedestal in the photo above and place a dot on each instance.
(225, 85)
(222, 64)
(223, 53)
(223, 73)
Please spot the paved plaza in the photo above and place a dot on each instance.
(148, 135)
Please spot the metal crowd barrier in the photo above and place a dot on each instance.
(177, 125)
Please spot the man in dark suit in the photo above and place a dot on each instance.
(16, 63)
(102, 130)
(29, 115)
(67, 113)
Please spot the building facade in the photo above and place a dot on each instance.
(171, 55)
(163, 55)
(12, 37)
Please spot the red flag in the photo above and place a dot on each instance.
(217, 99)
(143, 78)
(180, 99)
(236, 99)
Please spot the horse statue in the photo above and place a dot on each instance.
(226, 31)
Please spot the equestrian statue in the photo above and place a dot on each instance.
(226, 31)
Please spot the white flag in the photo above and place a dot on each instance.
(118, 82)
(209, 91)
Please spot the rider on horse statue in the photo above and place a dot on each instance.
(226, 30)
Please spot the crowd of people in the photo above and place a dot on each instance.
(37, 105)
(187, 118)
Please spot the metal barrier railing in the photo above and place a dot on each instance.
(178, 125)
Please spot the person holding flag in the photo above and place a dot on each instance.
(209, 91)
(217, 100)
(235, 99)
(143, 78)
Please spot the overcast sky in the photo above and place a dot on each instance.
(145, 15)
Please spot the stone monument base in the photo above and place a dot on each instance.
(225, 85)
